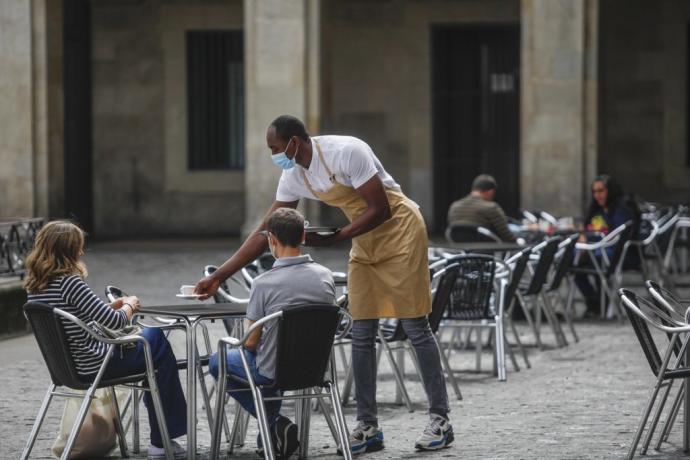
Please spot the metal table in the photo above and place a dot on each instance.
(191, 315)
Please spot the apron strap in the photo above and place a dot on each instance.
(331, 176)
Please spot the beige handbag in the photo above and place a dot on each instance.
(97, 436)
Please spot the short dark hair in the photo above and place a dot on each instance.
(288, 126)
(287, 225)
(484, 183)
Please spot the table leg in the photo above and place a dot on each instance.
(191, 389)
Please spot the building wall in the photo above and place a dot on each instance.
(140, 181)
(643, 97)
(376, 78)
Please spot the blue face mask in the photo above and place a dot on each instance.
(282, 161)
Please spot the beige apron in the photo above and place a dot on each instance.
(388, 271)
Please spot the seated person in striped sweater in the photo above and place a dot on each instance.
(55, 276)
(479, 208)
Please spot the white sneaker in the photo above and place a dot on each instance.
(437, 434)
(158, 453)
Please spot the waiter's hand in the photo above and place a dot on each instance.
(316, 240)
(206, 287)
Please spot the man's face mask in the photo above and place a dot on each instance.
(281, 159)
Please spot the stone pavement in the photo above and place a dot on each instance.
(583, 401)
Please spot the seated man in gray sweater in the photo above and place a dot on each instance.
(479, 208)
(294, 279)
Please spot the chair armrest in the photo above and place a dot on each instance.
(232, 341)
(98, 337)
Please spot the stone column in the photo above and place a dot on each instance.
(30, 114)
(558, 103)
(16, 94)
(275, 84)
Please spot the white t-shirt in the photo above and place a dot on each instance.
(350, 159)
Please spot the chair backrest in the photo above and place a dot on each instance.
(448, 276)
(305, 339)
(668, 301)
(564, 262)
(619, 247)
(641, 328)
(233, 289)
(469, 233)
(52, 341)
(516, 275)
(471, 294)
(541, 271)
(113, 292)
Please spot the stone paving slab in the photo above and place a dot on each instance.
(583, 401)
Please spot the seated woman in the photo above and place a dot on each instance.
(609, 208)
(55, 276)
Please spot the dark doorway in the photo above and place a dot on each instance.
(77, 100)
(476, 112)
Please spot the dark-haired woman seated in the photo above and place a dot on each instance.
(609, 208)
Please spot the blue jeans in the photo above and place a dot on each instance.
(235, 367)
(132, 361)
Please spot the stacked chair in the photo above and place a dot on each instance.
(666, 363)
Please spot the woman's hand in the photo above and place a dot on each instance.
(206, 287)
(117, 303)
(133, 303)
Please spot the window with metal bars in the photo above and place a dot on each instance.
(215, 99)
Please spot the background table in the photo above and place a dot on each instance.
(480, 247)
(191, 315)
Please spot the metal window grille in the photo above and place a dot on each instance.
(215, 99)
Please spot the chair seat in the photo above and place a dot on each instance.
(681, 373)
(88, 380)
(245, 382)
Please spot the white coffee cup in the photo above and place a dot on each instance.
(187, 289)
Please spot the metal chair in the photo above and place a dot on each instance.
(48, 324)
(518, 265)
(304, 363)
(665, 372)
(474, 305)
(676, 309)
(564, 260)
(608, 269)
(460, 232)
(533, 294)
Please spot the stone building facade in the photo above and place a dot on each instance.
(98, 105)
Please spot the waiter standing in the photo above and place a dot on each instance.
(388, 274)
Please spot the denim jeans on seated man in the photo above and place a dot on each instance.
(235, 367)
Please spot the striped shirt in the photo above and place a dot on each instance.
(73, 295)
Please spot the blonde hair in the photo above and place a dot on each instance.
(56, 252)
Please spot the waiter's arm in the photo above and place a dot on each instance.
(378, 211)
(253, 247)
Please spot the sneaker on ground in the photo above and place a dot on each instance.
(365, 438)
(285, 435)
(158, 453)
(437, 434)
